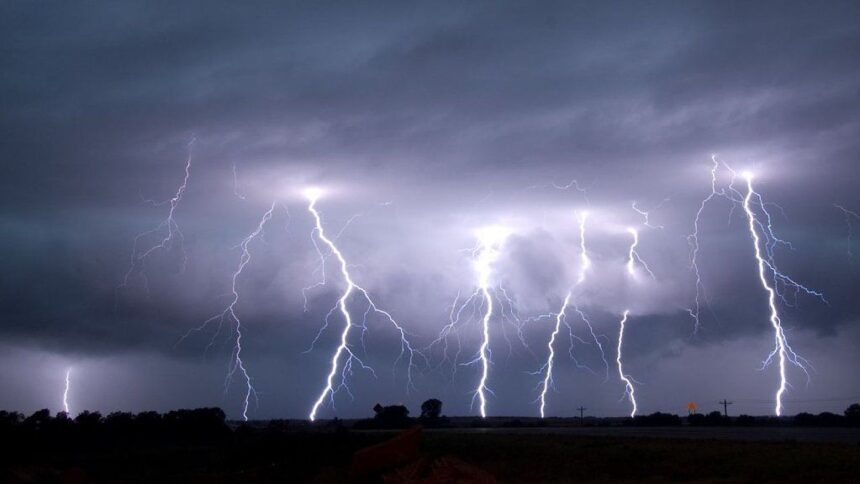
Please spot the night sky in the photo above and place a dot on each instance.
(422, 123)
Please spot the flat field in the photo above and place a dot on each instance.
(503, 455)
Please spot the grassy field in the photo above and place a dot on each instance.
(288, 456)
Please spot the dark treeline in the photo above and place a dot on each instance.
(849, 418)
(211, 423)
(91, 427)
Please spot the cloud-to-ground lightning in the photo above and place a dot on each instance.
(483, 299)
(171, 233)
(548, 366)
(66, 391)
(483, 265)
(782, 351)
(850, 216)
(629, 391)
(693, 241)
(329, 390)
(561, 318)
(633, 256)
(771, 241)
(229, 315)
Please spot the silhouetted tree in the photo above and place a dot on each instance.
(431, 409)
(852, 414)
(88, 420)
(10, 419)
(39, 420)
(804, 419)
(657, 419)
(829, 419)
(745, 421)
(716, 418)
(696, 419)
(392, 416)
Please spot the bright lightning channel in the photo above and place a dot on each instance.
(633, 256)
(229, 315)
(770, 241)
(782, 350)
(170, 229)
(484, 254)
(329, 390)
(629, 391)
(66, 391)
(561, 318)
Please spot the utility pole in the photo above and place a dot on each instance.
(725, 403)
(581, 417)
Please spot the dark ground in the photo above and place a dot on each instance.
(323, 454)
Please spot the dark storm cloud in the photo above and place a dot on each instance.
(451, 112)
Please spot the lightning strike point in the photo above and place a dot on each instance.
(629, 391)
(782, 350)
(66, 391)
(312, 194)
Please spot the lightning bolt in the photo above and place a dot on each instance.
(850, 215)
(482, 300)
(561, 318)
(547, 380)
(771, 241)
(66, 391)
(229, 315)
(171, 233)
(342, 305)
(629, 391)
(633, 255)
(782, 350)
(584, 260)
(693, 241)
(646, 214)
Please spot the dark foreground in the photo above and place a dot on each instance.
(482, 455)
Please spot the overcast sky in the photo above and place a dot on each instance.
(422, 123)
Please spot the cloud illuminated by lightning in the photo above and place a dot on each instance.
(171, 233)
(329, 390)
(229, 315)
(629, 391)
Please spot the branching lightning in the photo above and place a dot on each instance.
(693, 241)
(781, 281)
(171, 233)
(781, 350)
(646, 214)
(561, 318)
(629, 391)
(482, 303)
(229, 315)
(342, 305)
